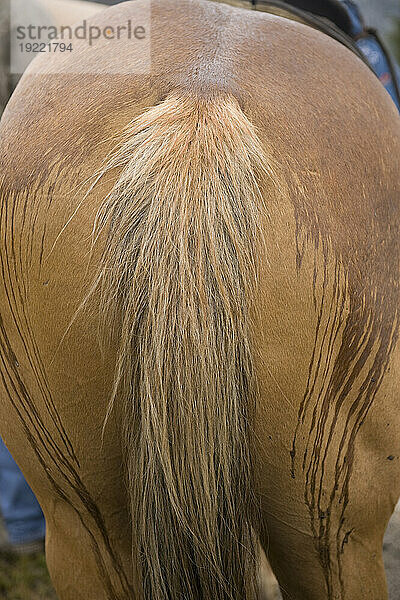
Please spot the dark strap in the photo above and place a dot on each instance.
(323, 23)
(334, 10)
(316, 21)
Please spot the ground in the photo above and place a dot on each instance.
(26, 578)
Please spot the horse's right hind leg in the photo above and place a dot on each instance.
(336, 554)
(302, 576)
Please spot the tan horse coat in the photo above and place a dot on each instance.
(325, 436)
(59, 12)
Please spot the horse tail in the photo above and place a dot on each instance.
(181, 265)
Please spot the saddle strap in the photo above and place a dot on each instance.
(360, 42)
(313, 20)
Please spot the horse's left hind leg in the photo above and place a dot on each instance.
(69, 555)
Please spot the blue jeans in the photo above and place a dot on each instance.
(21, 512)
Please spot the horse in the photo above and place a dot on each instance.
(60, 13)
(200, 308)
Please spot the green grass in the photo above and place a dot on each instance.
(25, 578)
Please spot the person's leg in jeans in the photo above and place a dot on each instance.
(22, 515)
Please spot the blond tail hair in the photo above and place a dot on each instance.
(181, 265)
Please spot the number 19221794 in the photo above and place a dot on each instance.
(45, 47)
